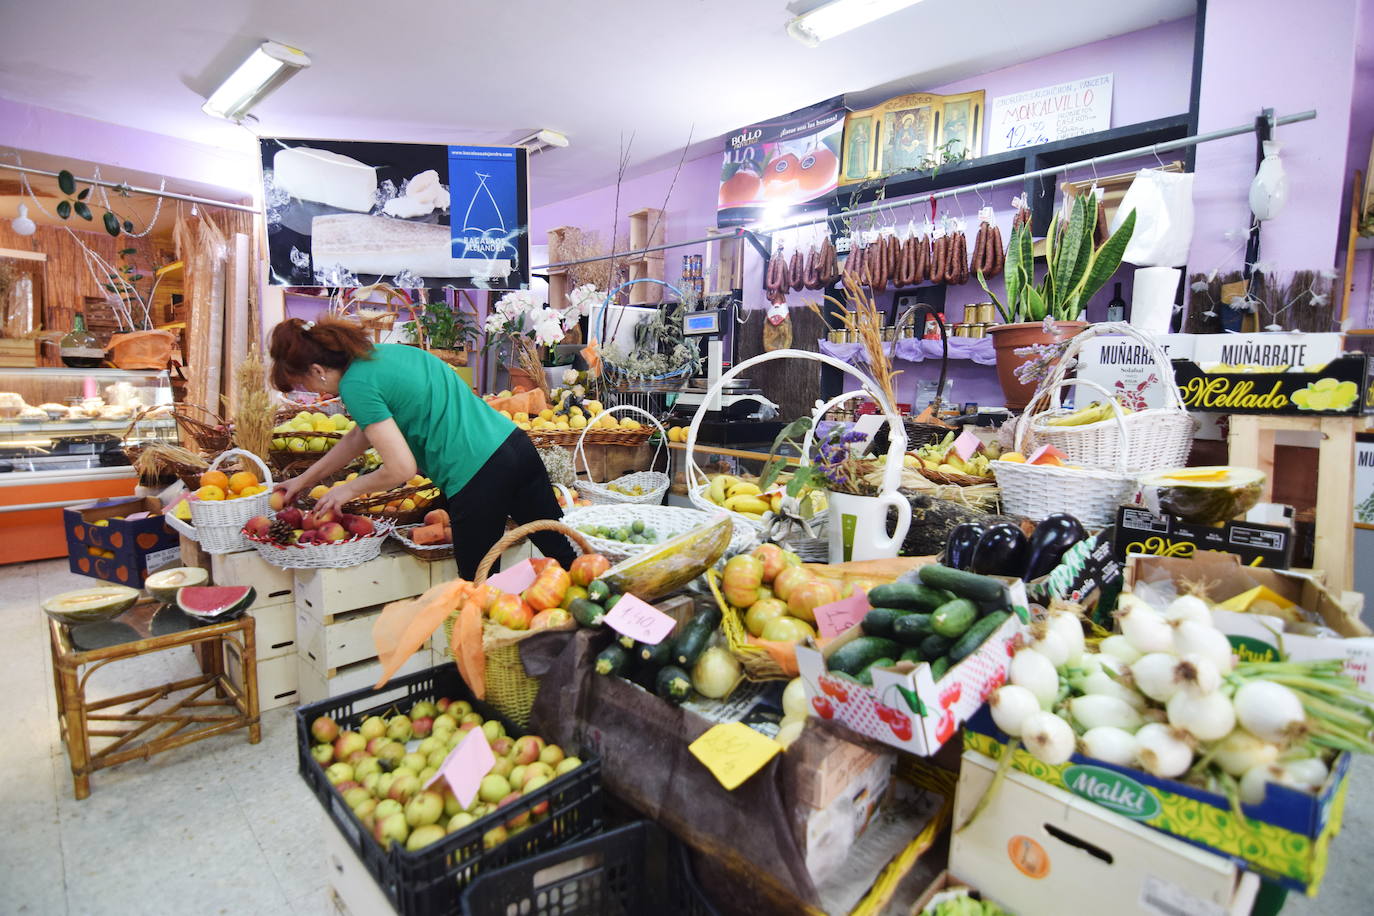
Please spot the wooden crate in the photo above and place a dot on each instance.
(18, 353)
(277, 678)
(274, 585)
(353, 889)
(336, 640)
(321, 685)
(607, 462)
(392, 576)
(276, 629)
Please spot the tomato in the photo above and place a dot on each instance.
(509, 611)
(818, 171)
(588, 567)
(788, 579)
(781, 175)
(824, 708)
(548, 590)
(787, 629)
(739, 189)
(553, 617)
(805, 598)
(742, 578)
(773, 561)
(761, 612)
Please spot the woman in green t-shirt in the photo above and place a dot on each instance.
(421, 417)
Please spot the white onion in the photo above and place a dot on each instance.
(1103, 683)
(1112, 665)
(1070, 629)
(1270, 711)
(1143, 626)
(1010, 706)
(1036, 673)
(1309, 771)
(1188, 607)
(1205, 716)
(1049, 643)
(1193, 638)
(1110, 744)
(1155, 675)
(794, 698)
(1198, 674)
(1163, 751)
(1254, 780)
(1099, 709)
(1090, 663)
(1048, 737)
(1241, 751)
(1119, 647)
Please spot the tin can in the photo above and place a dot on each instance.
(889, 334)
(971, 314)
(976, 330)
(961, 330)
(987, 314)
(686, 267)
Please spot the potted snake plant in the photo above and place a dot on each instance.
(1038, 317)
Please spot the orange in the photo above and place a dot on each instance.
(215, 479)
(819, 171)
(210, 492)
(781, 175)
(241, 481)
(739, 189)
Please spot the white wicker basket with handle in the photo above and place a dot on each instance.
(1157, 437)
(218, 524)
(667, 521)
(353, 552)
(1090, 495)
(652, 484)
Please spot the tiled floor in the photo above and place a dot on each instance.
(226, 827)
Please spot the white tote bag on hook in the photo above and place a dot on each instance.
(1163, 204)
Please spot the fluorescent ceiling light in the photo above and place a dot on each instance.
(542, 140)
(839, 16)
(271, 64)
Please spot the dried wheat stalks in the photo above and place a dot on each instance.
(156, 458)
(256, 410)
(867, 322)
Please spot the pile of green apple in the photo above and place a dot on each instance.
(381, 768)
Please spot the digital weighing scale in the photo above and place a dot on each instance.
(735, 415)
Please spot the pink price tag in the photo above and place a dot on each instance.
(516, 579)
(639, 620)
(834, 618)
(967, 444)
(465, 766)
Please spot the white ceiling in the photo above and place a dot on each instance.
(490, 72)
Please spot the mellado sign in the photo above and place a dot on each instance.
(1050, 113)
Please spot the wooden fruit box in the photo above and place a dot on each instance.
(321, 685)
(276, 630)
(338, 640)
(18, 353)
(277, 677)
(274, 585)
(390, 577)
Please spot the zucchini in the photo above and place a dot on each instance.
(934, 646)
(963, 584)
(917, 597)
(911, 629)
(953, 618)
(694, 636)
(610, 602)
(656, 655)
(866, 675)
(673, 684)
(587, 612)
(855, 655)
(598, 591)
(879, 621)
(612, 659)
(939, 667)
(973, 637)
(912, 655)
(627, 641)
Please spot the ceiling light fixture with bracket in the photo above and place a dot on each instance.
(541, 140)
(271, 64)
(836, 17)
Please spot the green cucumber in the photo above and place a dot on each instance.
(657, 655)
(598, 590)
(934, 646)
(627, 641)
(953, 618)
(964, 584)
(694, 636)
(855, 655)
(939, 667)
(916, 597)
(866, 675)
(673, 684)
(973, 637)
(911, 629)
(879, 621)
(610, 602)
(587, 612)
(612, 659)
(912, 655)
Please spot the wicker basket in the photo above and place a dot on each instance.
(209, 432)
(340, 555)
(427, 552)
(364, 505)
(509, 687)
(218, 526)
(1090, 495)
(1158, 437)
(653, 483)
(284, 460)
(758, 665)
(568, 438)
(667, 521)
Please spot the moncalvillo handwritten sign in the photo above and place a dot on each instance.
(1050, 113)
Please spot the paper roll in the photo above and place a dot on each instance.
(1152, 298)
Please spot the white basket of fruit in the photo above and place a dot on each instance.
(622, 531)
(224, 503)
(293, 539)
(641, 487)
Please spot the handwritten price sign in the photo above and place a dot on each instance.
(465, 766)
(1050, 113)
(639, 620)
(733, 752)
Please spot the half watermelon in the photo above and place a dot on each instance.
(212, 602)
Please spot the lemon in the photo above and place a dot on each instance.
(318, 417)
(578, 422)
(316, 444)
(627, 423)
(522, 425)
(279, 445)
(521, 417)
(1325, 384)
(295, 444)
(341, 423)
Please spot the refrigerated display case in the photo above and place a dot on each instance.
(62, 433)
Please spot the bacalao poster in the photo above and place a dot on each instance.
(780, 163)
(351, 213)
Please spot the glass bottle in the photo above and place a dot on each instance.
(80, 349)
(1116, 308)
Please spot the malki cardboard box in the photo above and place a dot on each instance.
(102, 542)
(906, 707)
(1262, 637)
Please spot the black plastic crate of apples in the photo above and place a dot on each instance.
(429, 881)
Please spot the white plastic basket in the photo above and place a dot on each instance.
(1157, 437)
(339, 555)
(667, 521)
(218, 526)
(653, 484)
(1090, 495)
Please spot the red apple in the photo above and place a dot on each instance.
(533, 784)
(308, 522)
(404, 786)
(372, 727)
(552, 755)
(519, 820)
(328, 516)
(277, 501)
(442, 704)
(359, 526)
(537, 770)
(347, 743)
(391, 829)
(291, 515)
(332, 532)
(528, 748)
(502, 746)
(324, 730)
(323, 754)
(258, 526)
(421, 727)
(357, 756)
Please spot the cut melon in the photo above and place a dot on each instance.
(164, 585)
(669, 566)
(89, 605)
(1203, 496)
(214, 601)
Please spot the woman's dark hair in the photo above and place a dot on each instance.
(329, 342)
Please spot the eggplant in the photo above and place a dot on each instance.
(1001, 551)
(1049, 542)
(959, 547)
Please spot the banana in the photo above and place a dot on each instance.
(745, 489)
(716, 493)
(746, 503)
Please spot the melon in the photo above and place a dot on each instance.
(209, 602)
(164, 585)
(665, 568)
(1203, 495)
(90, 605)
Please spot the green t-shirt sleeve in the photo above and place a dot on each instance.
(363, 401)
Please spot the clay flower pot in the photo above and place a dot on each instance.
(1007, 338)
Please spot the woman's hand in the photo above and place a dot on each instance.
(336, 497)
(291, 489)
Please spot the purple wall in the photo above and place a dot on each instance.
(1357, 157)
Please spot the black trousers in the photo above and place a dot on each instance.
(512, 484)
